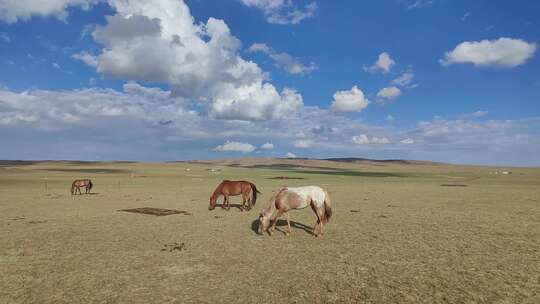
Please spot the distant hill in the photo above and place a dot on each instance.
(391, 161)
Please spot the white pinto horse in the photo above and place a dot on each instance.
(297, 198)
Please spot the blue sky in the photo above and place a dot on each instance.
(454, 81)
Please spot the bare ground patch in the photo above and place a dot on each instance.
(155, 211)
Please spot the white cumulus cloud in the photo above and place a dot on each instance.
(352, 100)
(87, 58)
(290, 155)
(285, 61)
(304, 143)
(503, 52)
(282, 11)
(383, 64)
(12, 11)
(363, 139)
(260, 47)
(407, 141)
(157, 41)
(388, 94)
(267, 146)
(404, 79)
(235, 146)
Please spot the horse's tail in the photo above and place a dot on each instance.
(327, 207)
(90, 185)
(73, 187)
(254, 193)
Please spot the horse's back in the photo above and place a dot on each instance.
(314, 193)
(82, 182)
(235, 187)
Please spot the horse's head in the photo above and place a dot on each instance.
(264, 222)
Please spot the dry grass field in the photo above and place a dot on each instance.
(401, 233)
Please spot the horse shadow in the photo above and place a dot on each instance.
(281, 226)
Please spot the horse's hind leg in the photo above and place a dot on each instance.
(243, 202)
(322, 219)
(316, 228)
(288, 225)
(323, 222)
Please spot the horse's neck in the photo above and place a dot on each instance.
(269, 210)
(217, 192)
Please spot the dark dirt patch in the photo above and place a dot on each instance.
(17, 218)
(354, 210)
(454, 185)
(155, 211)
(174, 247)
(285, 177)
(36, 222)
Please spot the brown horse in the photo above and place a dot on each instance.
(232, 188)
(297, 198)
(78, 183)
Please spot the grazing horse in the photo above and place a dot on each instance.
(78, 183)
(232, 188)
(297, 198)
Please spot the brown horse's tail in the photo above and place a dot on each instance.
(254, 193)
(73, 187)
(327, 207)
(90, 185)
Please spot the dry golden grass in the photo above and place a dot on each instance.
(410, 241)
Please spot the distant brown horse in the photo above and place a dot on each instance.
(287, 199)
(232, 188)
(78, 183)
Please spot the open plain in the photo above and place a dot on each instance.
(402, 232)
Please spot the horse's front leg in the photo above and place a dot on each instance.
(222, 204)
(250, 203)
(278, 215)
(227, 201)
